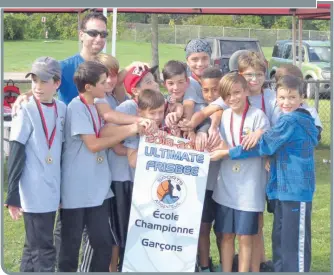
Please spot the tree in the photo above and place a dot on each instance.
(155, 43)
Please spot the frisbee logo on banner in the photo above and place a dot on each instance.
(169, 192)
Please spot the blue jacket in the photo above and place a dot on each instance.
(291, 142)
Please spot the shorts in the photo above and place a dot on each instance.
(209, 208)
(120, 209)
(232, 221)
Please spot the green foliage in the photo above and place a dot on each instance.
(64, 26)
(13, 26)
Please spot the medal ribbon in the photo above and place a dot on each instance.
(242, 123)
(196, 78)
(84, 101)
(45, 128)
(263, 107)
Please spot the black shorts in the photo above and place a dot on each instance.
(120, 209)
(232, 221)
(209, 208)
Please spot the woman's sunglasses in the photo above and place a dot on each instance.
(95, 33)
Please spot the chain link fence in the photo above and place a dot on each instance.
(181, 34)
(321, 103)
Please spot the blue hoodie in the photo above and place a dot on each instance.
(291, 142)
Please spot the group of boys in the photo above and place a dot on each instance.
(80, 159)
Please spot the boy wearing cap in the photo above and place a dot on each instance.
(198, 54)
(34, 165)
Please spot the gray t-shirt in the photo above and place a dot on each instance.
(194, 91)
(119, 165)
(241, 183)
(128, 107)
(123, 171)
(85, 181)
(39, 185)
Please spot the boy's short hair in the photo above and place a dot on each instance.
(173, 68)
(288, 69)
(45, 68)
(88, 72)
(150, 99)
(291, 82)
(90, 16)
(109, 61)
(228, 80)
(212, 72)
(134, 76)
(253, 60)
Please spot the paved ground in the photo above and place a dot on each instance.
(14, 76)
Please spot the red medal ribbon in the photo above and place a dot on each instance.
(242, 123)
(196, 78)
(263, 107)
(45, 128)
(84, 101)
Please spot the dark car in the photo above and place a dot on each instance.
(224, 47)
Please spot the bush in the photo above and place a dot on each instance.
(14, 26)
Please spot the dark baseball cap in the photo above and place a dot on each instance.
(45, 68)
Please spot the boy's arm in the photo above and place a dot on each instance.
(120, 149)
(216, 117)
(16, 161)
(188, 109)
(95, 144)
(270, 141)
(112, 116)
(132, 157)
(198, 117)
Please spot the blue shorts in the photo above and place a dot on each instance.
(232, 221)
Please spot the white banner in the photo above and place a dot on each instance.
(166, 209)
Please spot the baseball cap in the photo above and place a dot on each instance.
(45, 68)
(135, 75)
(233, 62)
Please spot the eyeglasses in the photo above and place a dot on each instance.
(253, 75)
(95, 33)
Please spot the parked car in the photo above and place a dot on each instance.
(224, 47)
(316, 58)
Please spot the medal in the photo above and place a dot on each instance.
(48, 160)
(99, 159)
(241, 125)
(50, 140)
(236, 168)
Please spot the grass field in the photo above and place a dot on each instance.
(321, 240)
(20, 54)
(18, 57)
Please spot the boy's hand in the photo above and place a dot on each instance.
(190, 135)
(218, 154)
(149, 125)
(267, 164)
(15, 212)
(214, 137)
(185, 125)
(250, 140)
(172, 119)
(22, 99)
(201, 141)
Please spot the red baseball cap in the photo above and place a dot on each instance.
(135, 75)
